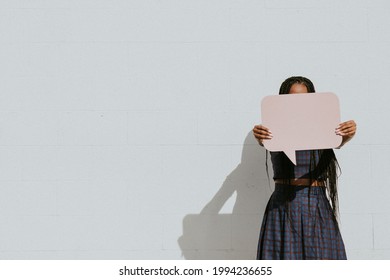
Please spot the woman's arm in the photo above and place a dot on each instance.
(347, 130)
(261, 133)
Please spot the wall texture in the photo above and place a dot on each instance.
(125, 125)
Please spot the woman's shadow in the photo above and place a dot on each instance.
(210, 235)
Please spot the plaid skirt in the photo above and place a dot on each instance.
(299, 226)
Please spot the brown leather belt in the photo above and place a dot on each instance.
(300, 182)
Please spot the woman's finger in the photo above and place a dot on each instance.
(346, 131)
(262, 136)
(262, 128)
(347, 123)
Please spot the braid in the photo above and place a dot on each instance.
(286, 85)
(327, 167)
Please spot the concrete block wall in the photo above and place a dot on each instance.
(125, 125)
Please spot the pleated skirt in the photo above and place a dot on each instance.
(298, 224)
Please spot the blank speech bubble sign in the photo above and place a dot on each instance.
(305, 121)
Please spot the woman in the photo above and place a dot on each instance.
(300, 220)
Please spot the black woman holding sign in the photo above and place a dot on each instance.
(300, 220)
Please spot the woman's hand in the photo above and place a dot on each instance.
(347, 130)
(261, 133)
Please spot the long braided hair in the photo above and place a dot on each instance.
(327, 167)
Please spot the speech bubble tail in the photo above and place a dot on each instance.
(291, 155)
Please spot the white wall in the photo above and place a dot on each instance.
(125, 126)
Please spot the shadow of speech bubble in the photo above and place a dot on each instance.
(301, 122)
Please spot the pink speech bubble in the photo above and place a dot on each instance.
(304, 121)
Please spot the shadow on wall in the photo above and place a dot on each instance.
(210, 235)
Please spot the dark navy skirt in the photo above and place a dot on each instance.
(299, 226)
